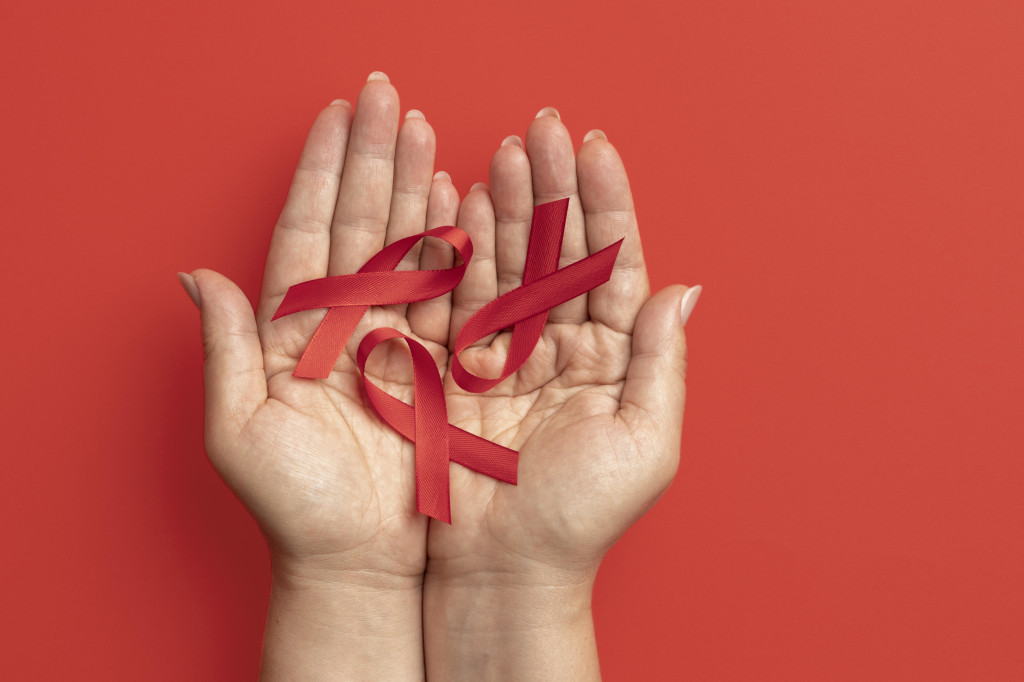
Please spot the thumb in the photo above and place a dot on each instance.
(233, 357)
(655, 390)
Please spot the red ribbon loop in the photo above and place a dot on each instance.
(426, 425)
(526, 308)
(376, 283)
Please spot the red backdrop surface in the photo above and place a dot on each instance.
(844, 178)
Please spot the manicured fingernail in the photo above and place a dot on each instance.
(441, 175)
(594, 134)
(378, 76)
(512, 139)
(415, 113)
(689, 301)
(340, 101)
(478, 185)
(191, 288)
(548, 111)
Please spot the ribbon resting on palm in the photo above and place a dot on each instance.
(524, 309)
(376, 283)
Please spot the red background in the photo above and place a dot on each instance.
(844, 178)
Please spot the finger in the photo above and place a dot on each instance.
(479, 286)
(233, 373)
(430, 319)
(364, 198)
(414, 167)
(553, 163)
(608, 207)
(301, 242)
(655, 390)
(512, 196)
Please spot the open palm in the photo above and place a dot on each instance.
(324, 477)
(596, 410)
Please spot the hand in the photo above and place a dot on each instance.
(330, 485)
(596, 414)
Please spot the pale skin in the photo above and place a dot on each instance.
(364, 587)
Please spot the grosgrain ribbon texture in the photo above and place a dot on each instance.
(524, 309)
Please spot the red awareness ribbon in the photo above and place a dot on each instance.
(376, 283)
(427, 427)
(526, 308)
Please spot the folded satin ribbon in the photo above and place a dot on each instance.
(525, 309)
(376, 283)
(427, 427)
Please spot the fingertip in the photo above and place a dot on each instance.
(689, 301)
(417, 132)
(339, 108)
(476, 211)
(234, 377)
(477, 205)
(203, 276)
(188, 282)
(543, 128)
(196, 275)
(655, 380)
(221, 294)
(599, 152)
(511, 182)
(658, 318)
(378, 93)
(443, 202)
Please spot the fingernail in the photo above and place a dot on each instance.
(548, 111)
(441, 175)
(512, 139)
(689, 301)
(478, 185)
(191, 288)
(415, 113)
(378, 76)
(594, 134)
(341, 101)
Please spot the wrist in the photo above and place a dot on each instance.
(534, 624)
(497, 567)
(331, 622)
(337, 572)
(481, 604)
